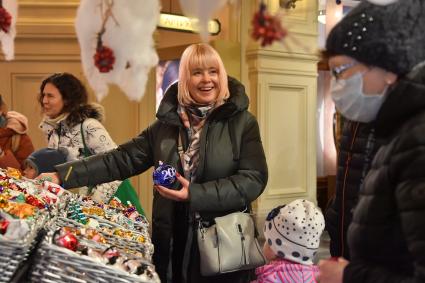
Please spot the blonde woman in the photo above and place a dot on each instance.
(224, 166)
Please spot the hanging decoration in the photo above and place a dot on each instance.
(104, 58)
(8, 15)
(202, 11)
(267, 28)
(5, 19)
(122, 52)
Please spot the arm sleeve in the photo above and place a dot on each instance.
(367, 273)
(16, 159)
(244, 186)
(129, 159)
(97, 137)
(9, 160)
(98, 140)
(24, 150)
(406, 172)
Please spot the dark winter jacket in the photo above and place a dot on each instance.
(357, 147)
(232, 171)
(387, 235)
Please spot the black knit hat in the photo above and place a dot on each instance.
(44, 160)
(391, 37)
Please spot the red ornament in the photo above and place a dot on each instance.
(111, 254)
(104, 58)
(3, 226)
(49, 200)
(5, 20)
(267, 28)
(30, 199)
(68, 241)
(55, 190)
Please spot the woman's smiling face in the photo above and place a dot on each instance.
(204, 85)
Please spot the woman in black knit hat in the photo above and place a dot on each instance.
(377, 55)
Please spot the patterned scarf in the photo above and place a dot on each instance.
(193, 119)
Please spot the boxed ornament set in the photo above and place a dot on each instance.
(50, 235)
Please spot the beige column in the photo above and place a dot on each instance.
(282, 81)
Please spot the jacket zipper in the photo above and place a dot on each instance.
(347, 166)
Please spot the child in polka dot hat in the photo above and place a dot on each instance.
(292, 233)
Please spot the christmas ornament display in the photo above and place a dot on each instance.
(104, 58)
(267, 28)
(107, 242)
(67, 240)
(76, 213)
(124, 53)
(164, 175)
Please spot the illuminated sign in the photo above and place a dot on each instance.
(182, 23)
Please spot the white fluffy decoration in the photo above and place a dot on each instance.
(8, 39)
(203, 10)
(131, 40)
(382, 2)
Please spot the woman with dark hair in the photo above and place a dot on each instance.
(15, 144)
(75, 126)
(63, 99)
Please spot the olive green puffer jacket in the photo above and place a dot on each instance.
(232, 171)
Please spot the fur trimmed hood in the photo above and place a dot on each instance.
(89, 110)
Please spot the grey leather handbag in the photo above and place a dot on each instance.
(229, 245)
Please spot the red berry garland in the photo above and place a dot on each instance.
(104, 58)
(5, 20)
(266, 27)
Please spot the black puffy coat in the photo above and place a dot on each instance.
(232, 170)
(387, 234)
(357, 148)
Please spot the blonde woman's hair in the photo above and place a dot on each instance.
(200, 55)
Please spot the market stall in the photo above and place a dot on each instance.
(50, 235)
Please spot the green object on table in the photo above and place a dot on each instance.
(126, 192)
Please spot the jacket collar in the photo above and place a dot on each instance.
(405, 100)
(237, 102)
(86, 111)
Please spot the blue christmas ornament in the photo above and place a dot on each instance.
(164, 175)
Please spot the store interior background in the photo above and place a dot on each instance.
(286, 83)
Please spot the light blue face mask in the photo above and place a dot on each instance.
(3, 121)
(352, 103)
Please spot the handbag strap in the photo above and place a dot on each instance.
(86, 152)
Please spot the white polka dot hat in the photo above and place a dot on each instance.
(293, 231)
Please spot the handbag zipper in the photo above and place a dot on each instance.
(244, 256)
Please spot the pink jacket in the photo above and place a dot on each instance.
(283, 271)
